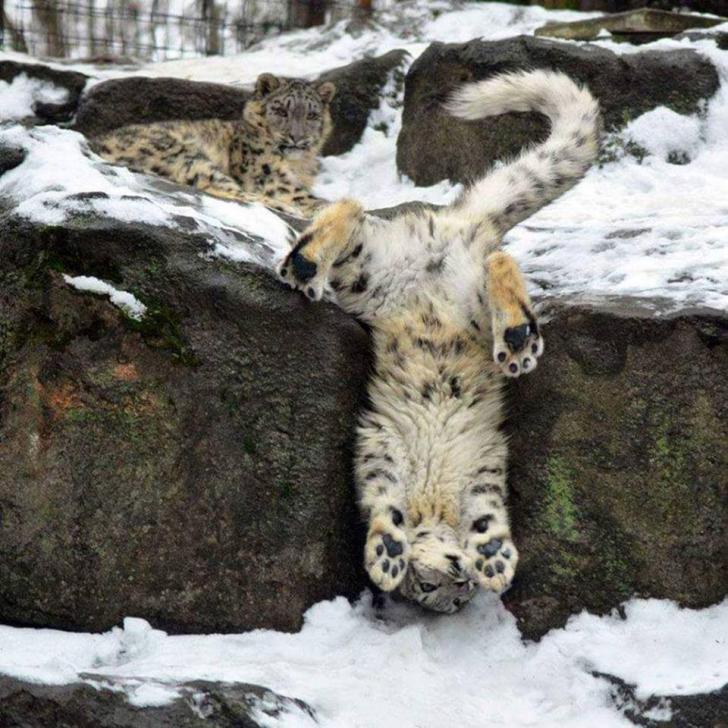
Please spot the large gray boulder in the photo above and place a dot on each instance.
(192, 468)
(140, 99)
(433, 146)
(618, 465)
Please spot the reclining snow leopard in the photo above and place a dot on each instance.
(450, 318)
(269, 156)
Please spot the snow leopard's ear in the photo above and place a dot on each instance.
(266, 83)
(326, 91)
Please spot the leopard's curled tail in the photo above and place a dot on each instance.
(540, 174)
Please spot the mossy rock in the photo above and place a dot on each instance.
(192, 468)
(619, 465)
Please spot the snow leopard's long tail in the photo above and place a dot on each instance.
(540, 174)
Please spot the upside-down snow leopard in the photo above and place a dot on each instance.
(269, 156)
(450, 317)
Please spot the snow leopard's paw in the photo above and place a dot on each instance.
(494, 559)
(516, 349)
(386, 554)
(517, 342)
(307, 266)
(301, 272)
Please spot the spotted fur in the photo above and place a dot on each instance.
(269, 156)
(450, 319)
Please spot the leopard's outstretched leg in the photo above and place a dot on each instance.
(325, 242)
(485, 530)
(517, 340)
(382, 497)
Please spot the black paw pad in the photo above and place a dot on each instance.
(491, 548)
(394, 547)
(481, 525)
(516, 336)
(304, 269)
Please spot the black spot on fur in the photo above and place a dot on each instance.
(455, 386)
(357, 251)
(397, 517)
(381, 473)
(266, 169)
(360, 284)
(435, 265)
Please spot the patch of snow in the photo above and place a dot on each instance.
(18, 97)
(660, 713)
(60, 178)
(151, 695)
(124, 300)
(410, 669)
(664, 132)
(368, 172)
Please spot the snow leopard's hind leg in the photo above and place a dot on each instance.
(486, 532)
(517, 340)
(382, 498)
(321, 245)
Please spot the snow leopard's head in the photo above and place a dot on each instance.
(440, 575)
(295, 113)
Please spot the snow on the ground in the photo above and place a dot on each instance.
(124, 300)
(408, 669)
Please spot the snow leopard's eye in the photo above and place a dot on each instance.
(280, 111)
(312, 115)
(427, 587)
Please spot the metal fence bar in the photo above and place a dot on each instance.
(150, 29)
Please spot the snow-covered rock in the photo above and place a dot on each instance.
(432, 146)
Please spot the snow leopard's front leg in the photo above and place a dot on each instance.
(485, 529)
(382, 499)
(517, 341)
(321, 245)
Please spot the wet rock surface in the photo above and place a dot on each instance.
(192, 467)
